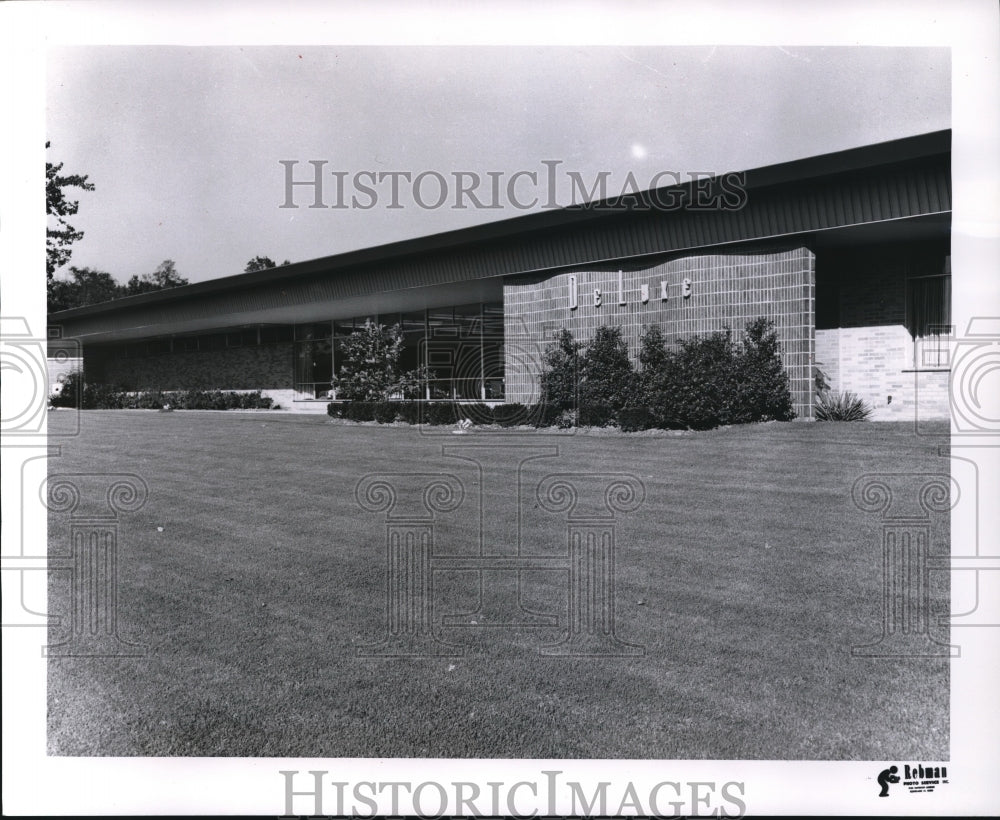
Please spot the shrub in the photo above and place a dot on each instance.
(607, 378)
(511, 415)
(547, 414)
(595, 415)
(631, 419)
(114, 397)
(560, 379)
(700, 383)
(369, 369)
(567, 419)
(477, 413)
(440, 412)
(410, 412)
(385, 412)
(762, 391)
(361, 411)
(841, 407)
(70, 392)
(710, 380)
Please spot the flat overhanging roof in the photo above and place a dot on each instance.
(488, 243)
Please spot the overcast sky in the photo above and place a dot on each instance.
(184, 144)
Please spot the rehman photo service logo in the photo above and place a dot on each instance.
(318, 794)
(311, 184)
(914, 777)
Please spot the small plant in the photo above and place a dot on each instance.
(567, 419)
(841, 407)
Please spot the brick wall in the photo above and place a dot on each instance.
(876, 363)
(726, 290)
(870, 352)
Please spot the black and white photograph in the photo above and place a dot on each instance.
(546, 410)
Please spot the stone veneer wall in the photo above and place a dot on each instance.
(726, 290)
(267, 368)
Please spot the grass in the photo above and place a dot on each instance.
(747, 575)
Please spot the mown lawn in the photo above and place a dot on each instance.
(747, 575)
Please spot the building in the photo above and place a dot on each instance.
(848, 253)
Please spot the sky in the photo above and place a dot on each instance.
(185, 144)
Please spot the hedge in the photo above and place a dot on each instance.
(77, 393)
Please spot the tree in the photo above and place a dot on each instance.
(560, 380)
(607, 378)
(657, 376)
(369, 368)
(763, 388)
(62, 235)
(262, 263)
(164, 277)
(85, 287)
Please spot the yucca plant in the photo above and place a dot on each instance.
(846, 406)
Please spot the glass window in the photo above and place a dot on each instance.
(343, 327)
(271, 334)
(493, 319)
(314, 366)
(928, 318)
(319, 330)
(212, 341)
(928, 305)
